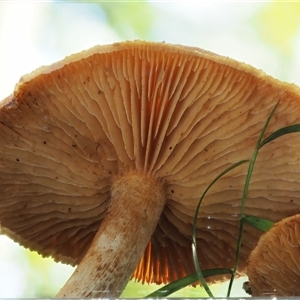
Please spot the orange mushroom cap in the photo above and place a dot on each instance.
(274, 264)
(178, 114)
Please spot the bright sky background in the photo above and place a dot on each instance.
(39, 33)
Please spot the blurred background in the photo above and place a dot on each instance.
(263, 34)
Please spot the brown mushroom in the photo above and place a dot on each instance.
(104, 156)
(274, 264)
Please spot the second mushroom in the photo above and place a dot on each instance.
(104, 156)
(274, 264)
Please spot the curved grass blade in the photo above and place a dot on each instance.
(282, 131)
(245, 193)
(260, 223)
(184, 282)
(199, 272)
(194, 241)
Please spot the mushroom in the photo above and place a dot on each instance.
(105, 154)
(274, 264)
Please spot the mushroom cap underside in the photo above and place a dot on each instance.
(179, 114)
(274, 267)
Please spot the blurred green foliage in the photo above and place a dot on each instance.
(42, 289)
(130, 19)
(278, 24)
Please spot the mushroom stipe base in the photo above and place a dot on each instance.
(136, 205)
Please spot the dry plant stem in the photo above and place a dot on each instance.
(137, 203)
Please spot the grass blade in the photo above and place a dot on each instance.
(282, 131)
(184, 282)
(245, 193)
(194, 240)
(199, 272)
(260, 223)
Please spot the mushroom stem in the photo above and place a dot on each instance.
(136, 205)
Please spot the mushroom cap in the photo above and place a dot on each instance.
(179, 114)
(274, 264)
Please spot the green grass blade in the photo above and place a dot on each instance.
(245, 193)
(184, 282)
(260, 223)
(194, 240)
(199, 272)
(282, 131)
